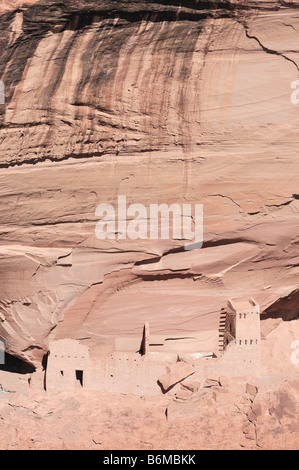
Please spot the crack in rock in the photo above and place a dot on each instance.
(267, 49)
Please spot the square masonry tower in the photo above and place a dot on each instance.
(242, 324)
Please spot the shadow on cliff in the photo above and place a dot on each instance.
(16, 366)
(286, 308)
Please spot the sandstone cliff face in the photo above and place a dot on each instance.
(161, 102)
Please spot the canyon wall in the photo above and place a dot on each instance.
(163, 102)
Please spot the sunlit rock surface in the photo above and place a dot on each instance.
(160, 103)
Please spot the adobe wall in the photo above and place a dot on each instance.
(130, 373)
(237, 361)
(127, 373)
(118, 372)
(248, 328)
(242, 356)
(64, 359)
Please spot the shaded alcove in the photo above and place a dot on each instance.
(16, 365)
(286, 308)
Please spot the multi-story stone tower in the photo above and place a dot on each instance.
(240, 332)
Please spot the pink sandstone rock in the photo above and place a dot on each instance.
(162, 104)
(211, 383)
(109, 106)
(183, 393)
(251, 390)
(190, 385)
(175, 373)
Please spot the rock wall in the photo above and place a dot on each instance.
(161, 102)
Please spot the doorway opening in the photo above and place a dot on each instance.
(79, 377)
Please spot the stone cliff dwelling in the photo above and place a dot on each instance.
(239, 338)
(241, 325)
(72, 365)
(68, 362)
